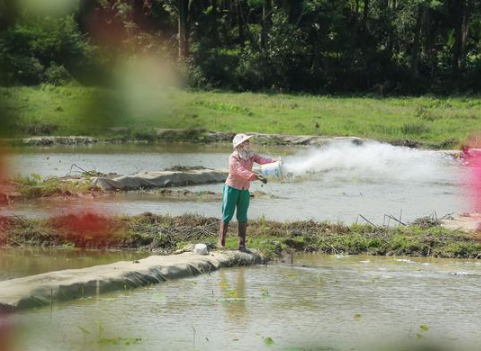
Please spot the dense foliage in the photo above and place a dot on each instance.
(380, 46)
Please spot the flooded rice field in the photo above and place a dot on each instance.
(317, 303)
(336, 182)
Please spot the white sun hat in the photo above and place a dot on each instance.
(239, 139)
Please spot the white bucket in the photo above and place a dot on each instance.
(201, 249)
(273, 170)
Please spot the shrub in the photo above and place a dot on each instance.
(57, 75)
(43, 49)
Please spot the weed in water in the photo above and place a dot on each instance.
(230, 294)
(268, 341)
(120, 341)
(100, 330)
(424, 328)
(85, 332)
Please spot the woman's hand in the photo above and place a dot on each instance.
(261, 178)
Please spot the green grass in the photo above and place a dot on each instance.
(73, 110)
(272, 238)
(34, 187)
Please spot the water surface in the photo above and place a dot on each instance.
(318, 303)
(23, 261)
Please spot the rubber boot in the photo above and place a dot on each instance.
(242, 227)
(222, 234)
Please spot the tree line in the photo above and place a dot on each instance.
(321, 46)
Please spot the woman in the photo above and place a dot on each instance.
(236, 188)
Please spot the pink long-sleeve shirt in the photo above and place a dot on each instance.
(240, 170)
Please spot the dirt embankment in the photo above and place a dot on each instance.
(123, 135)
(167, 234)
(169, 135)
(43, 289)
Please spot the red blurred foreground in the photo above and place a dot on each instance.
(3, 176)
(87, 229)
(6, 332)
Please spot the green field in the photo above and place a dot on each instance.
(73, 110)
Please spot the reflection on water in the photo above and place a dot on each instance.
(320, 302)
(20, 262)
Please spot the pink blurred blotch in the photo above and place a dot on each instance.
(472, 159)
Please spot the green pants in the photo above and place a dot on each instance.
(232, 198)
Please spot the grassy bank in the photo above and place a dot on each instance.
(70, 110)
(34, 187)
(167, 234)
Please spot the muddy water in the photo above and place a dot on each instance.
(335, 183)
(20, 262)
(318, 303)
